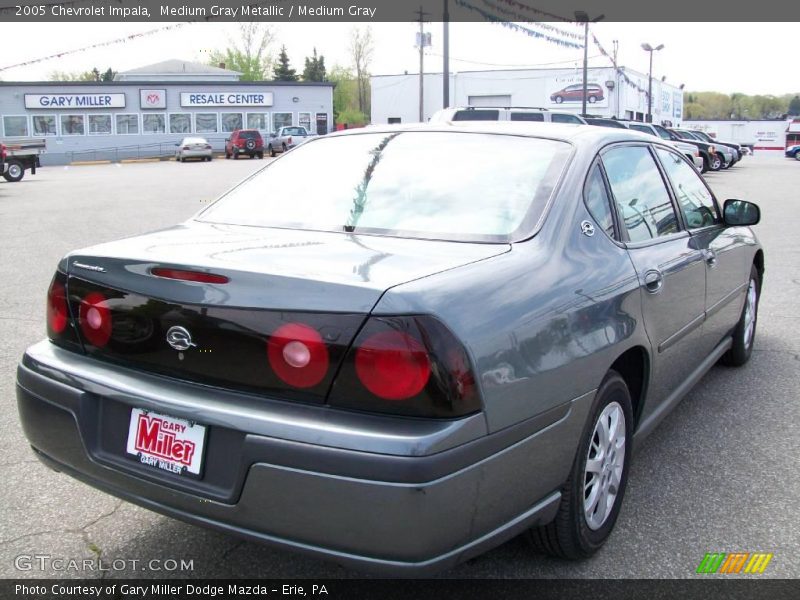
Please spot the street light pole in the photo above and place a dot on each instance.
(648, 48)
(446, 57)
(582, 17)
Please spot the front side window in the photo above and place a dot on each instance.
(99, 124)
(152, 123)
(597, 201)
(231, 122)
(127, 124)
(639, 193)
(695, 200)
(180, 123)
(72, 125)
(206, 123)
(258, 121)
(16, 126)
(662, 133)
(281, 120)
(441, 185)
(44, 125)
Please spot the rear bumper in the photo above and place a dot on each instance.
(393, 511)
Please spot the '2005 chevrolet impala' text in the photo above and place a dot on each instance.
(449, 335)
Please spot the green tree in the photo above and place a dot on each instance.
(284, 72)
(361, 49)
(93, 75)
(345, 97)
(249, 53)
(794, 107)
(315, 68)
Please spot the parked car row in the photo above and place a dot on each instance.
(248, 142)
(793, 152)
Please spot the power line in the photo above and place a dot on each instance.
(527, 65)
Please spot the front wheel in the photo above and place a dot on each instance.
(797, 155)
(14, 172)
(559, 99)
(592, 496)
(592, 99)
(715, 163)
(745, 332)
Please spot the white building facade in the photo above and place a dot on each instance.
(395, 98)
(774, 134)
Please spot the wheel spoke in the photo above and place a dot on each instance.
(594, 465)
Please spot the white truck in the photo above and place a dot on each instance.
(287, 138)
(21, 154)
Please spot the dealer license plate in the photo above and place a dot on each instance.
(167, 443)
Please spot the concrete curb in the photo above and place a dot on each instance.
(83, 163)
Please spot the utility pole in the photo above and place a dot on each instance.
(421, 14)
(446, 55)
(648, 48)
(582, 17)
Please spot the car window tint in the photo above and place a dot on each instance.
(410, 184)
(477, 115)
(249, 135)
(597, 201)
(560, 118)
(527, 116)
(639, 192)
(662, 133)
(641, 128)
(696, 202)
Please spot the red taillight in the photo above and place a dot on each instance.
(95, 319)
(298, 355)
(393, 365)
(184, 275)
(290, 139)
(57, 311)
(2, 151)
(186, 147)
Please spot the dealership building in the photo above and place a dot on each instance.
(146, 111)
(614, 93)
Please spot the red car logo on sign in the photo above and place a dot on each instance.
(153, 98)
(160, 438)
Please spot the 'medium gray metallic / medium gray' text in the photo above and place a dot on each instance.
(244, 10)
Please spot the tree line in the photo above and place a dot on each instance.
(715, 105)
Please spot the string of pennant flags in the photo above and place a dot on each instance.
(517, 16)
(120, 40)
(619, 71)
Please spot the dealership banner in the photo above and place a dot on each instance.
(242, 98)
(67, 101)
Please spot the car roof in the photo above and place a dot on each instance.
(591, 135)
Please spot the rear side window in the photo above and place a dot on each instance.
(561, 118)
(641, 128)
(662, 133)
(640, 193)
(696, 202)
(477, 115)
(526, 116)
(597, 201)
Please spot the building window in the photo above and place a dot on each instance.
(280, 119)
(16, 126)
(127, 124)
(304, 120)
(72, 125)
(231, 121)
(99, 124)
(205, 123)
(154, 123)
(180, 123)
(44, 125)
(258, 121)
(395, 120)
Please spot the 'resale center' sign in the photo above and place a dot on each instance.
(197, 99)
(62, 101)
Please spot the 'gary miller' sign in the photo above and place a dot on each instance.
(226, 99)
(74, 100)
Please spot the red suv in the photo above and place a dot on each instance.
(244, 141)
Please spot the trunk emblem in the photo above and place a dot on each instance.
(587, 228)
(179, 338)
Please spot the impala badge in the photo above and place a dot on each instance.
(587, 228)
(179, 338)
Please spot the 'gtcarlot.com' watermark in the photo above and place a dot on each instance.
(61, 564)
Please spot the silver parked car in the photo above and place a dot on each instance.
(193, 147)
(449, 335)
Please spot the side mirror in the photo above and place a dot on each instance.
(739, 213)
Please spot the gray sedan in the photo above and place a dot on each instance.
(423, 350)
(193, 147)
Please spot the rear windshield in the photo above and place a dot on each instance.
(436, 185)
(294, 131)
(562, 118)
(605, 123)
(249, 135)
(477, 115)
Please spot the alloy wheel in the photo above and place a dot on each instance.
(604, 466)
(750, 308)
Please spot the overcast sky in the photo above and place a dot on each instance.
(759, 59)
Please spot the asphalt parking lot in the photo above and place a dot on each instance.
(719, 474)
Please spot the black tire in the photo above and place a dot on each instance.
(15, 171)
(705, 164)
(252, 155)
(742, 347)
(592, 99)
(271, 151)
(235, 154)
(227, 155)
(284, 147)
(797, 155)
(569, 535)
(260, 155)
(715, 163)
(559, 99)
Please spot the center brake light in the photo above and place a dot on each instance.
(184, 275)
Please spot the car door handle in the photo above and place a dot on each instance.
(710, 257)
(653, 281)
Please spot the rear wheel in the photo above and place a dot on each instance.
(14, 171)
(271, 151)
(284, 147)
(715, 163)
(745, 332)
(592, 496)
(559, 99)
(261, 155)
(797, 155)
(592, 99)
(235, 154)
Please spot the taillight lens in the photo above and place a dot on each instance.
(95, 319)
(290, 139)
(57, 310)
(298, 355)
(184, 275)
(409, 365)
(186, 147)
